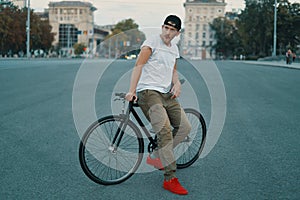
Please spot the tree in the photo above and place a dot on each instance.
(228, 40)
(79, 48)
(255, 26)
(13, 31)
(288, 24)
(125, 37)
(40, 33)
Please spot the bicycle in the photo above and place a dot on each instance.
(112, 148)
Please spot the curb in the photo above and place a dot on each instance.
(274, 64)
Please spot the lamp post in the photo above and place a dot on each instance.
(28, 29)
(68, 40)
(93, 9)
(275, 29)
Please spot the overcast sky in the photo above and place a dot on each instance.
(146, 13)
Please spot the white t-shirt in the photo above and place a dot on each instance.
(157, 72)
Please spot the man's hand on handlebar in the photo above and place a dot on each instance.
(130, 96)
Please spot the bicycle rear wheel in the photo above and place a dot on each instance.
(101, 161)
(189, 150)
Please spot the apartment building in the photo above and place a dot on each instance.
(198, 37)
(20, 3)
(73, 22)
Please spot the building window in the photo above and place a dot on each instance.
(203, 43)
(204, 35)
(197, 36)
(197, 27)
(67, 35)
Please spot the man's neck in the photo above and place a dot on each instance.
(167, 44)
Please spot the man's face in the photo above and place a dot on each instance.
(168, 33)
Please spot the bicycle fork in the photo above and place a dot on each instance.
(121, 130)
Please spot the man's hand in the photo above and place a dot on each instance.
(176, 90)
(131, 96)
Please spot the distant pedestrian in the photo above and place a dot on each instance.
(288, 56)
(294, 57)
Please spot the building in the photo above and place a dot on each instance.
(73, 22)
(43, 15)
(198, 37)
(19, 3)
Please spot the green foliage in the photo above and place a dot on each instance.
(13, 31)
(255, 28)
(125, 25)
(227, 37)
(125, 37)
(288, 25)
(79, 48)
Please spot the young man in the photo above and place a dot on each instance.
(155, 83)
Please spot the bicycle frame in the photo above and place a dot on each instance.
(120, 131)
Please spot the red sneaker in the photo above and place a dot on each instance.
(156, 162)
(174, 186)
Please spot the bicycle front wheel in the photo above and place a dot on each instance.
(189, 150)
(105, 162)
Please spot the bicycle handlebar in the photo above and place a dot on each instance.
(122, 95)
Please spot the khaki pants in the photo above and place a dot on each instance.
(163, 114)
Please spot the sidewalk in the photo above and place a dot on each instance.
(295, 65)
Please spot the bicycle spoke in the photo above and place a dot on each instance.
(105, 163)
(188, 151)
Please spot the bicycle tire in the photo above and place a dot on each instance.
(99, 162)
(188, 151)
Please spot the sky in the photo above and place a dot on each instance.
(146, 13)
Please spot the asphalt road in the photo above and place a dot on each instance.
(256, 156)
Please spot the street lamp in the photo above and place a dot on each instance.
(93, 9)
(275, 29)
(28, 29)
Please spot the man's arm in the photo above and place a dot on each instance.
(137, 71)
(176, 89)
